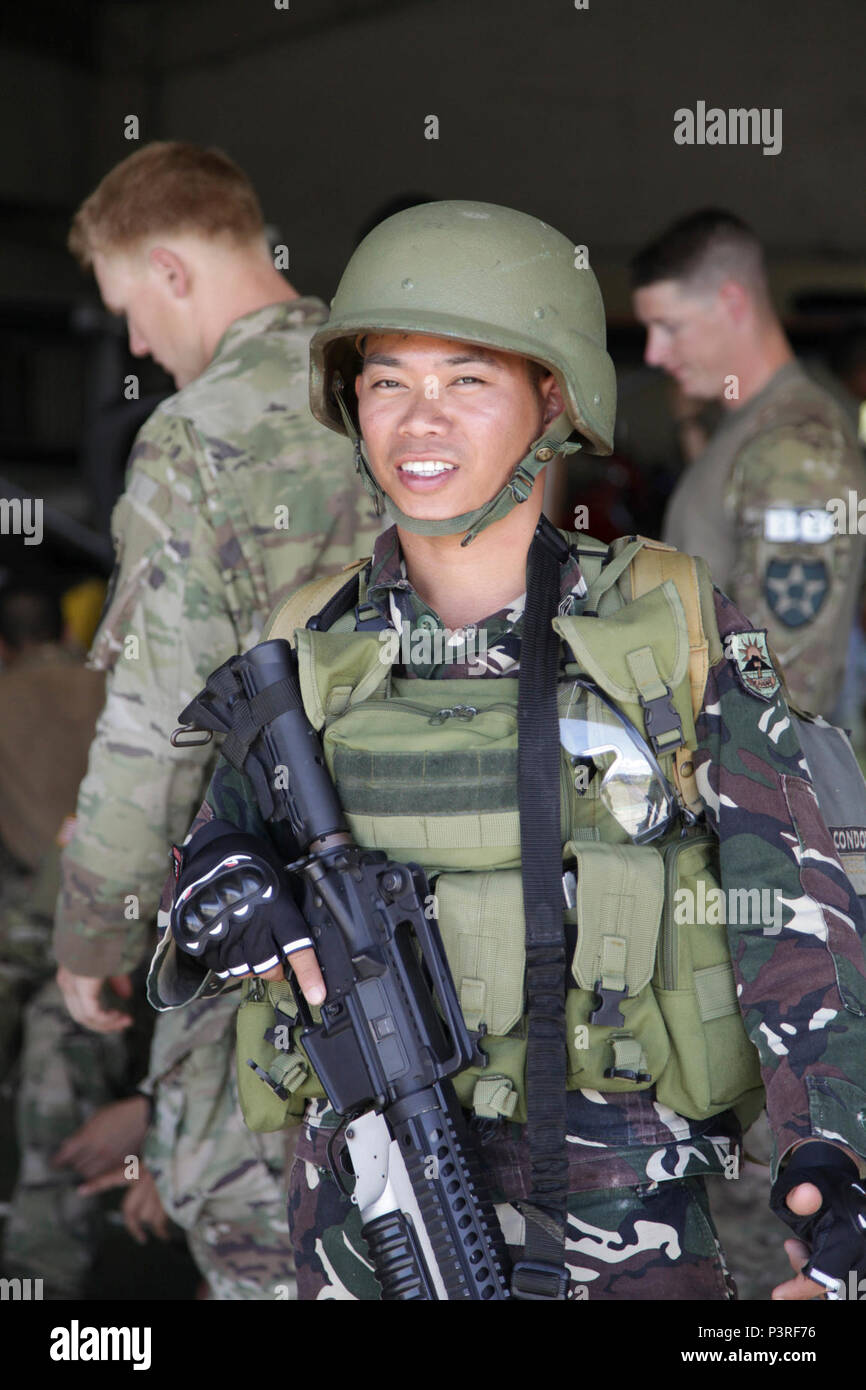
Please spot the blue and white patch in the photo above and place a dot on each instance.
(796, 589)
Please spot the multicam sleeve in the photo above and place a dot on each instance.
(800, 971)
(796, 571)
(166, 626)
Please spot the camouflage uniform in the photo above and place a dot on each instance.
(234, 497)
(639, 1224)
(67, 1073)
(748, 506)
(48, 707)
(223, 1184)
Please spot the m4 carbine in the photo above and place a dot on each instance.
(391, 1032)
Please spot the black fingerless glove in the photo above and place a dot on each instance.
(836, 1232)
(233, 906)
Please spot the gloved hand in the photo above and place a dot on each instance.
(836, 1232)
(233, 905)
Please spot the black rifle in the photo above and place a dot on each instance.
(391, 1031)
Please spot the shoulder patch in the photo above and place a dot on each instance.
(795, 590)
(751, 657)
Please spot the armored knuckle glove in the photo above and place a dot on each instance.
(233, 907)
(836, 1232)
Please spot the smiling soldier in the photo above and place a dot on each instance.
(464, 352)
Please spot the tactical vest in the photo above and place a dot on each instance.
(426, 770)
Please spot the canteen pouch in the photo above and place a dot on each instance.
(481, 920)
(713, 1064)
(616, 1035)
(266, 1035)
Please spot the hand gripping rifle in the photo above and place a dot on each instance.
(384, 1051)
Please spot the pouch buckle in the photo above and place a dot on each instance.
(607, 1012)
(661, 718)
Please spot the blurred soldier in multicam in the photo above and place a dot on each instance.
(754, 504)
(48, 708)
(233, 498)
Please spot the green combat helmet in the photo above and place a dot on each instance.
(481, 274)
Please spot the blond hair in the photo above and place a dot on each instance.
(168, 186)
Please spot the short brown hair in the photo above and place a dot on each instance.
(703, 249)
(167, 186)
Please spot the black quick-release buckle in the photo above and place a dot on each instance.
(606, 1012)
(536, 1281)
(660, 718)
(275, 1086)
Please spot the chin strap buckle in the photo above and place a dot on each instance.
(521, 484)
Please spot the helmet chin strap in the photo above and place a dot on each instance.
(518, 488)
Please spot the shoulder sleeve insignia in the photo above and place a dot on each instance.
(796, 589)
(751, 657)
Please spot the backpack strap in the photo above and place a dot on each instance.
(592, 555)
(311, 599)
(650, 566)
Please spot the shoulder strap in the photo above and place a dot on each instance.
(311, 599)
(592, 555)
(651, 565)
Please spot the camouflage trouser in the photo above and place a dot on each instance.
(223, 1184)
(650, 1241)
(26, 961)
(67, 1073)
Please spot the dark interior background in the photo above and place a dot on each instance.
(566, 113)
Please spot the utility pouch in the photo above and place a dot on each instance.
(713, 1064)
(639, 656)
(266, 1036)
(481, 920)
(428, 775)
(616, 1035)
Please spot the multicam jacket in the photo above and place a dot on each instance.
(235, 496)
(755, 507)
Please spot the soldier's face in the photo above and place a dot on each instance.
(688, 334)
(157, 318)
(445, 422)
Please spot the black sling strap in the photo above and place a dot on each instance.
(542, 1274)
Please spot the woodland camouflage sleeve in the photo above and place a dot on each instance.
(801, 976)
(164, 629)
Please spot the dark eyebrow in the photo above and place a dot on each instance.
(381, 359)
